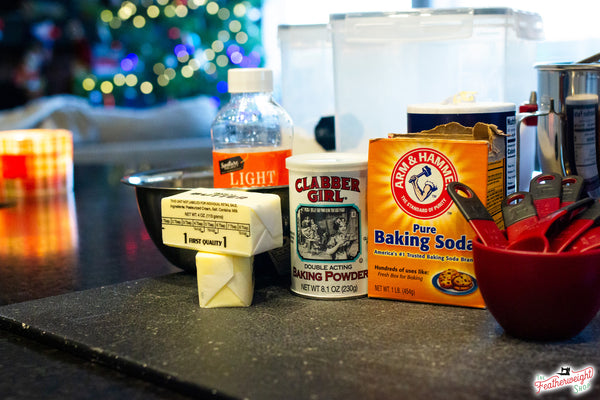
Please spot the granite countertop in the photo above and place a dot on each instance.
(286, 346)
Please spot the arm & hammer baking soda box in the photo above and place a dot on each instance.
(420, 245)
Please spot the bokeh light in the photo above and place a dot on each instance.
(222, 87)
(222, 60)
(235, 26)
(153, 11)
(210, 68)
(106, 87)
(119, 79)
(181, 11)
(115, 23)
(131, 80)
(224, 36)
(130, 62)
(88, 84)
(223, 14)
(170, 61)
(162, 80)
(158, 68)
(212, 8)
(180, 50)
(236, 57)
(174, 33)
(170, 73)
(187, 71)
(127, 10)
(193, 4)
(194, 64)
(106, 16)
(95, 97)
(253, 14)
(209, 54)
(146, 87)
(241, 37)
(217, 46)
(239, 10)
(139, 21)
(170, 11)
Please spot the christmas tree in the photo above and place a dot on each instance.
(152, 51)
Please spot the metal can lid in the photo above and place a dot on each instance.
(581, 99)
(461, 108)
(327, 162)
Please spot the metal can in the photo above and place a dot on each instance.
(328, 225)
(427, 116)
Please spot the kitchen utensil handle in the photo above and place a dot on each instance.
(590, 59)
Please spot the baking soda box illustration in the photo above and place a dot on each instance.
(420, 245)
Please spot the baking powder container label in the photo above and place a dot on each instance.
(328, 225)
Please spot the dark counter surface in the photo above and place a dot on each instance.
(62, 244)
(287, 347)
(90, 237)
(120, 322)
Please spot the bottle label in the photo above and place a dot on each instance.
(254, 169)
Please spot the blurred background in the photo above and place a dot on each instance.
(127, 53)
(140, 53)
(154, 72)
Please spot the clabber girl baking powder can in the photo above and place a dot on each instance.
(328, 225)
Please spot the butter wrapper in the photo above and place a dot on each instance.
(224, 281)
(232, 222)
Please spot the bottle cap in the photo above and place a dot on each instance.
(245, 80)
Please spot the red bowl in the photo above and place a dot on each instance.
(539, 296)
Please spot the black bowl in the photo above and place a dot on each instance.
(152, 186)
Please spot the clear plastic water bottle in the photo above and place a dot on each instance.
(252, 134)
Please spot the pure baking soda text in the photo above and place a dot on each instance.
(420, 246)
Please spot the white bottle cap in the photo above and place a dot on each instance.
(247, 80)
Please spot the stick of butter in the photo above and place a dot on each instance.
(222, 221)
(224, 281)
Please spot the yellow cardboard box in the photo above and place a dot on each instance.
(420, 245)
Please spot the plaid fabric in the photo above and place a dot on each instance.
(35, 162)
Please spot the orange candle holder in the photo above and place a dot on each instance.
(35, 162)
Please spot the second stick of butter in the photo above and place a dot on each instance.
(224, 281)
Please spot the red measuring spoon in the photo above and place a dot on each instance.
(546, 191)
(537, 237)
(572, 189)
(582, 222)
(476, 214)
(590, 240)
(519, 214)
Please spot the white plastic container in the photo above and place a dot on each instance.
(385, 61)
(306, 75)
